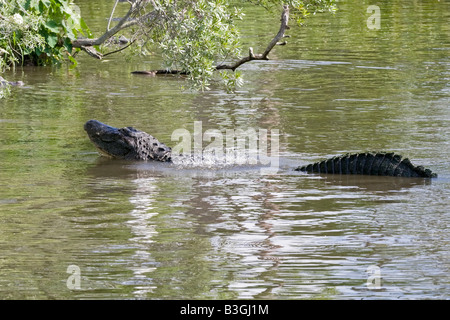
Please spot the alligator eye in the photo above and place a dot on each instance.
(128, 131)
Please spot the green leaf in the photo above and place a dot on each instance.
(85, 28)
(52, 40)
(32, 4)
(68, 45)
(65, 7)
(74, 62)
(45, 3)
(53, 26)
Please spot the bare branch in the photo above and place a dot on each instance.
(151, 16)
(120, 49)
(92, 52)
(251, 56)
(111, 15)
(280, 34)
(124, 22)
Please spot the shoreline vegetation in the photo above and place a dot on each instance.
(194, 38)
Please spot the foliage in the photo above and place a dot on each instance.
(39, 32)
(193, 36)
(196, 36)
(5, 91)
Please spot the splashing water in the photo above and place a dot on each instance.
(210, 160)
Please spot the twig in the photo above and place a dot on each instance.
(122, 24)
(112, 13)
(120, 49)
(251, 56)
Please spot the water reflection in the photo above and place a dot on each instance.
(257, 236)
(143, 231)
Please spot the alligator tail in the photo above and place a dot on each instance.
(370, 163)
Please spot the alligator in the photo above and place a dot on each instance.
(132, 144)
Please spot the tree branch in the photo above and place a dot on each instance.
(124, 22)
(251, 56)
(130, 19)
(120, 49)
(111, 15)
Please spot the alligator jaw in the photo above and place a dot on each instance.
(107, 140)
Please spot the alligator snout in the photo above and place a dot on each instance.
(94, 126)
(89, 125)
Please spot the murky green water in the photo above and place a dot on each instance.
(142, 230)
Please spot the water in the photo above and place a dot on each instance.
(152, 231)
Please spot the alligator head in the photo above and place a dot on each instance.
(126, 143)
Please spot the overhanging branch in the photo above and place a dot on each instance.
(125, 22)
(251, 56)
(131, 18)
